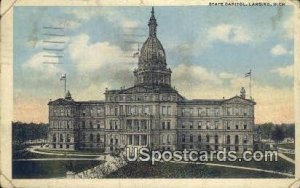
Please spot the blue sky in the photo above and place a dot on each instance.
(208, 49)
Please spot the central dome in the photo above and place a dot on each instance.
(152, 53)
(152, 67)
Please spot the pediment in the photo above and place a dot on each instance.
(238, 100)
(61, 102)
(137, 89)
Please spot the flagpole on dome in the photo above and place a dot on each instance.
(249, 74)
(64, 78)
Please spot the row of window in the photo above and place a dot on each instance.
(144, 97)
(92, 137)
(138, 140)
(61, 124)
(214, 125)
(215, 138)
(92, 124)
(62, 137)
(137, 124)
(68, 112)
(236, 111)
(210, 147)
(129, 110)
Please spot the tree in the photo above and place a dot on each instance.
(278, 134)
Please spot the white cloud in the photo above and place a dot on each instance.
(88, 56)
(279, 50)
(36, 63)
(110, 15)
(287, 71)
(194, 75)
(234, 34)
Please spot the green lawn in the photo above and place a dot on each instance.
(292, 156)
(176, 170)
(49, 169)
(280, 165)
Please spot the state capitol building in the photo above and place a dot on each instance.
(151, 114)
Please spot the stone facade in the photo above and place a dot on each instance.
(151, 114)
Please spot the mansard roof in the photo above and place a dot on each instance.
(62, 101)
(91, 102)
(202, 101)
(235, 99)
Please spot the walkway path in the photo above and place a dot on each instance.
(33, 150)
(286, 158)
(239, 167)
(60, 159)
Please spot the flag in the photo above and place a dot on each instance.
(63, 77)
(248, 74)
(135, 54)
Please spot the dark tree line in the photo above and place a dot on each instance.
(22, 132)
(276, 132)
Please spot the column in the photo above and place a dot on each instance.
(147, 141)
(133, 142)
(140, 140)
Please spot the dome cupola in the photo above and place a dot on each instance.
(152, 67)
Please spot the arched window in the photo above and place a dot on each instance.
(191, 138)
(236, 139)
(183, 138)
(207, 138)
(228, 139)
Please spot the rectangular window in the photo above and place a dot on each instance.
(216, 112)
(200, 125)
(163, 125)
(191, 112)
(110, 125)
(216, 124)
(169, 110)
(129, 124)
(191, 125)
(191, 138)
(199, 111)
(168, 125)
(130, 139)
(164, 110)
(183, 125)
(207, 111)
(207, 125)
(228, 125)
